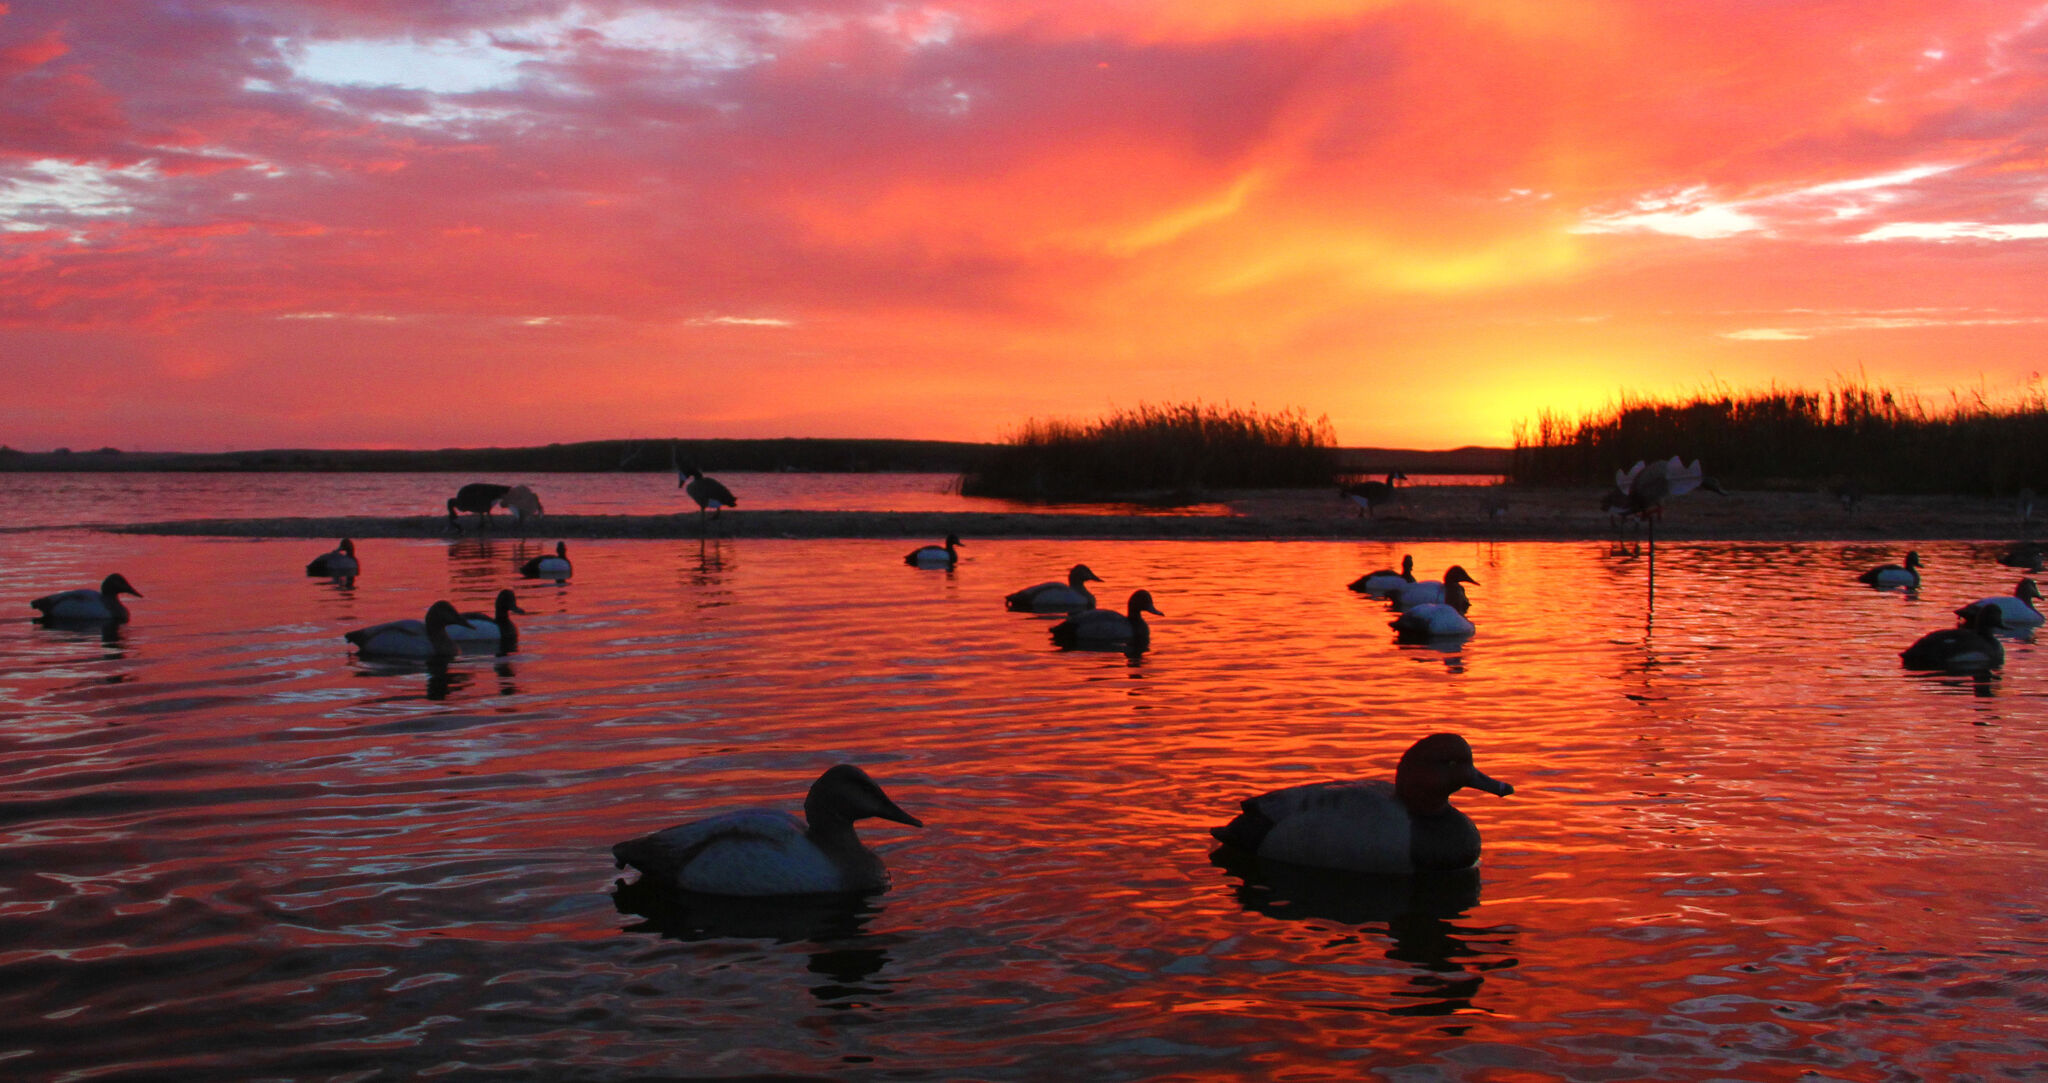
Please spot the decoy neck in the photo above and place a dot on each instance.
(1436, 767)
(1079, 574)
(1454, 595)
(508, 603)
(1141, 602)
(1457, 574)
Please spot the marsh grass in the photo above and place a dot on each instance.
(1848, 434)
(1158, 453)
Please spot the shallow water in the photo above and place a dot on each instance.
(1744, 843)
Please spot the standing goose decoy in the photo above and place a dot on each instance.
(102, 606)
(341, 562)
(765, 852)
(1404, 826)
(1971, 646)
(1430, 590)
(490, 629)
(478, 497)
(414, 639)
(1370, 494)
(711, 495)
(935, 556)
(1645, 487)
(1386, 580)
(1105, 628)
(1436, 620)
(1053, 596)
(550, 565)
(2015, 610)
(1905, 575)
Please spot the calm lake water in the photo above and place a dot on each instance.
(1744, 843)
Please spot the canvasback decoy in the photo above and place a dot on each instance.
(1429, 590)
(414, 639)
(763, 852)
(1105, 628)
(1895, 575)
(553, 565)
(1370, 494)
(1386, 580)
(1403, 826)
(87, 604)
(2015, 610)
(490, 628)
(1436, 620)
(1970, 646)
(1053, 596)
(342, 561)
(477, 496)
(935, 556)
(523, 503)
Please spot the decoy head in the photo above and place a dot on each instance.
(1408, 565)
(508, 602)
(1081, 573)
(347, 546)
(562, 549)
(845, 793)
(1141, 602)
(1436, 767)
(1457, 574)
(442, 614)
(1913, 559)
(2028, 589)
(117, 584)
(952, 541)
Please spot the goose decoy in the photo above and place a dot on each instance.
(342, 561)
(2015, 610)
(1645, 487)
(1970, 646)
(1386, 580)
(487, 628)
(553, 565)
(711, 495)
(523, 503)
(1105, 628)
(935, 556)
(414, 639)
(102, 606)
(478, 497)
(762, 852)
(1407, 825)
(1370, 494)
(1053, 596)
(1895, 575)
(1430, 590)
(1436, 620)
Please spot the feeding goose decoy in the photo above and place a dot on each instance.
(1053, 596)
(1370, 494)
(87, 604)
(2015, 610)
(1429, 590)
(553, 565)
(1895, 575)
(523, 503)
(1386, 580)
(341, 562)
(1970, 646)
(1403, 826)
(478, 497)
(764, 852)
(490, 628)
(1107, 628)
(1436, 620)
(935, 556)
(412, 639)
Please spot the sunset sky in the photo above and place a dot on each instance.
(425, 223)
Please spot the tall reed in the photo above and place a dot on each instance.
(1157, 452)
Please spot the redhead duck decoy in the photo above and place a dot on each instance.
(1053, 596)
(490, 629)
(1386, 580)
(414, 639)
(1436, 620)
(935, 556)
(1895, 575)
(2015, 610)
(341, 562)
(1370, 494)
(1430, 590)
(1403, 826)
(86, 604)
(1971, 646)
(1106, 628)
(549, 566)
(478, 497)
(761, 852)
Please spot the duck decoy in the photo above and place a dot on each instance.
(1403, 826)
(1970, 646)
(1370, 494)
(414, 639)
(1895, 575)
(478, 497)
(764, 852)
(553, 565)
(490, 628)
(1386, 580)
(523, 503)
(1430, 590)
(1053, 596)
(1436, 620)
(341, 562)
(1106, 628)
(935, 556)
(2015, 610)
(101, 606)
(2025, 555)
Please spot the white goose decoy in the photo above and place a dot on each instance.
(341, 562)
(1386, 580)
(762, 852)
(1971, 646)
(413, 639)
(490, 629)
(935, 556)
(1895, 575)
(1403, 826)
(2015, 610)
(1053, 596)
(1436, 620)
(1429, 590)
(1106, 628)
(549, 566)
(86, 604)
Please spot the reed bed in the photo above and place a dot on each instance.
(1158, 453)
(1849, 435)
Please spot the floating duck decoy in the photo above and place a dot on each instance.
(2015, 610)
(1107, 628)
(478, 497)
(2025, 555)
(1403, 826)
(1386, 580)
(411, 639)
(1429, 590)
(1436, 620)
(935, 556)
(1895, 575)
(553, 565)
(764, 852)
(523, 503)
(1971, 646)
(490, 628)
(1370, 494)
(1053, 596)
(102, 606)
(341, 562)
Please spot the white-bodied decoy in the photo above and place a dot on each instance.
(1966, 647)
(2015, 610)
(523, 503)
(1429, 590)
(342, 561)
(762, 852)
(1436, 620)
(490, 628)
(87, 604)
(1370, 494)
(1053, 596)
(478, 497)
(553, 565)
(1895, 575)
(1107, 628)
(1386, 580)
(412, 639)
(935, 556)
(1403, 826)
